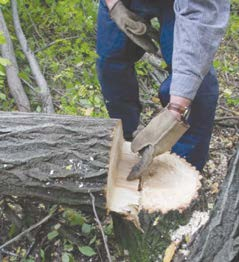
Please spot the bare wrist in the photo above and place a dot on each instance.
(180, 109)
(182, 101)
(110, 3)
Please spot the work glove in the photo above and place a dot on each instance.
(140, 32)
(159, 136)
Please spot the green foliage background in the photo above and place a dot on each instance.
(62, 36)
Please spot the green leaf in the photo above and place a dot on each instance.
(66, 257)
(42, 254)
(92, 240)
(108, 229)
(68, 247)
(87, 251)
(69, 167)
(24, 76)
(53, 209)
(52, 234)
(73, 217)
(38, 109)
(3, 2)
(2, 73)
(3, 97)
(86, 228)
(4, 61)
(2, 39)
(13, 228)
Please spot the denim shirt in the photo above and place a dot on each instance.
(199, 28)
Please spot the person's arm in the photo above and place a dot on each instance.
(199, 27)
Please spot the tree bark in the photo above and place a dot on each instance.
(218, 240)
(46, 98)
(62, 159)
(12, 71)
(55, 158)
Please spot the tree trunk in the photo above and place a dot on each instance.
(53, 157)
(218, 240)
(12, 71)
(46, 98)
(63, 158)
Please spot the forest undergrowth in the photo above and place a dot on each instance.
(62, 35)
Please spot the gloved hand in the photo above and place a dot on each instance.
(159, 136)
(134, 27)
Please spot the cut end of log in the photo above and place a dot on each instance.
(172, 183)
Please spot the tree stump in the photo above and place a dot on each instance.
(62, 159)
(218, 240)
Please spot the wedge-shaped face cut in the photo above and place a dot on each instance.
(171, 183)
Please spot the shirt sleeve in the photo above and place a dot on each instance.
(199, 27)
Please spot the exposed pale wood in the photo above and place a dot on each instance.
(55, 157)
(61, 159)
(161, 189)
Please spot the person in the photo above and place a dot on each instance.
(190, 33)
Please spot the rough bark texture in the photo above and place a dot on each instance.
(12, 71)
(54, 157)
(46, 98)
(218, 240)
(61, 159)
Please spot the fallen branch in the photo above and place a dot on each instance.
(154, 60)
(100, 227)
(228, 110)
(3, 251)
(46, 98)
(227, 118)
(45, 219)
(229, 125)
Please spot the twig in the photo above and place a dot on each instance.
(45, 219)
(228, 110)
(29, 85)
(227, 118)
(30, 249)
(154, 60)
(35, 27)
(8, 253)
(101, 228)
(232, 125)
(55, 42)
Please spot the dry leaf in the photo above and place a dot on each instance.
(88, 111)
(187, 238)
(155, 100)
(214, 188)
(170, 251)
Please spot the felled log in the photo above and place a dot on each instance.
(218, 240)
(55, 158)
(62, 159)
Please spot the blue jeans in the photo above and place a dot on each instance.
(116, 73)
